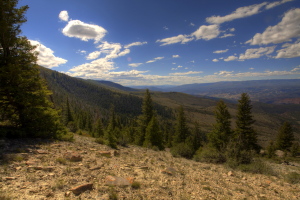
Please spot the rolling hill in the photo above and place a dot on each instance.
(98, 96)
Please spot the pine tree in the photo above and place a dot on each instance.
(110, 134)
(145, 118)
(181, 128)
(23, 94)
(153, 137)
(98, 131)
(285, 137)
(221, 133)
(244, 131)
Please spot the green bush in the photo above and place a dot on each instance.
(99, 140)
(292, 177)
(209, 155)
(258, 166)
(182, 150)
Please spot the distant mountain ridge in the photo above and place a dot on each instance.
(278, 91)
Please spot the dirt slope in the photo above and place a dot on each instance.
(49, 170)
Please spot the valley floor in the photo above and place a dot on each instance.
(47, 170)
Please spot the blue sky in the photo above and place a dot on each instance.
(174, 42)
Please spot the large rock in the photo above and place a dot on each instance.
(82, 188)
(73, 157)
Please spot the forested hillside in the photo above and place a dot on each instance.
(90, 100)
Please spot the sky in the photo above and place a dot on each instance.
(166, 42)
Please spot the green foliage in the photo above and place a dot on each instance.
(23, 95)
(258, 166)
(295, 149)
(285, 137)
(292, 177)
(153, 137)
(181, 128)
(270, 150)
(245, 135)
(98, 130)
(100, 140)
(112, 131)
(182, 150)
(221, 133)
(145, 118)
(236, 155)
(136, 185)
(243, 143)
(209, 154)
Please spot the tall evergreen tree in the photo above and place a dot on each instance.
(181, 128)
(110, 134)
(145, 118)
(153, 135)
(245, 134)
(285, 137)
(221, 133)
(23, 94)
(98, 130)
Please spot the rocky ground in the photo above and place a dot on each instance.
(84, 169)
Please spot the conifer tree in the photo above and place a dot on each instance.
(23, 94)
(110, 134)
(181, 128)
(221, 133)
(245, 134)
(98, 131)
(145, 118)
(153, 137)
(285, 137)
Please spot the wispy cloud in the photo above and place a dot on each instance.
(221, 51)
(185, 73)
(134, 64)
(155, 59)
(134, 44)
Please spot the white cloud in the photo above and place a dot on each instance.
(83, 31)
(111, 49)
(288, 28)
(296, 69)
(46, 57)
(230, 58)
(221, 51)
(192, 24)
(257, 53)
(81, 52)
(134, 64)
(64, 16)
(185, 73)
(227, 35)
(276, 3)
(224, 73)
(215, 60)
(179, 66)
(165, 28)
(291, 51)
(93, 55)
(155, 59)
(176, 39)
(238, 13)
(232, 29)
(207, 32)
(175, 56)
(134, 44)
(124, 52)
